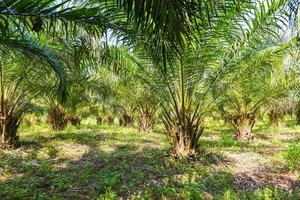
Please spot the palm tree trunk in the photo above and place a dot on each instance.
(110, 120)
(144, 124)
(277, 119)
(56, 117)
(2, 111)
(74, 120)
(9, 124)
(243, 127)
(146, 120)
(126, 120)
(183, 147)
(298, 113)
(99, 120)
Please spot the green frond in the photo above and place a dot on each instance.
(34, 49)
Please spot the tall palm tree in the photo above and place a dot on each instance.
(262, 80)
(16, 76)
(183, 83)
(20, 20)
(278, 109)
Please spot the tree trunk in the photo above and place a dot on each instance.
(185, 136)
(243, 127)
(110, 120)
(147, 119)
(244, 132)
(298, 112)
(8, 136)
(74, 120)
(126, 120)
(9, 140)
(145, 123)
(99, 120)
(13, 106)
(56, 117)
(277, 119)
(184, 149)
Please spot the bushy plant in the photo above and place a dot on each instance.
(74, 120)
(56, 117)
(147, 119)
(292, 157)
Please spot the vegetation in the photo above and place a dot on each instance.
(112, 162)
(114, 99)
(292, 157)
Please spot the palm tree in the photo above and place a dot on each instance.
(148, 108)
(187, 83)
(16, 91)
(56, 115)
(262, 80)
(164, 27)
(278, 109)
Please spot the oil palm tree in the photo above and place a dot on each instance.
(262, 80)
(148, 109)
(183, 84)
(278, 109)
(20, 20)
(17, 74)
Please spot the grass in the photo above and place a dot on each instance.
(110, 162)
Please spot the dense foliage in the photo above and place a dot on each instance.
(158, 66)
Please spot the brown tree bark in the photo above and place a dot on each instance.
(74, 120)
(277, 119)
(110, 120)
(243, 126)
(8, 132)
(126, 120)
(185, 135)
(184, 149)
(145, 124)
(99, 120)
(146, 120)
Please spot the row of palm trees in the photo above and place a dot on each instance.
(188, 55)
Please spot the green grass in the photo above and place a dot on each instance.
(110, 162)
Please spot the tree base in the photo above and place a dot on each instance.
(145, 125)
(244, 133)
(10, 143)
(183, 151)
(74, 120)
(126, 121)
(99, 120)
(110, 120)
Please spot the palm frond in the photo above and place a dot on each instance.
(34, 49)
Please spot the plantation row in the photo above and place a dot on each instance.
(147, 63)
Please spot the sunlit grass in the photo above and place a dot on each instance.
(111, 162)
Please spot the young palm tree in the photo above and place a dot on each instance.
(13, 107)
(262, 80)
(56, 115)
(16, 92)
(147, 110)
(183, 82)
(184, 121)
(126, 100)
(147, 117)
(278, 109)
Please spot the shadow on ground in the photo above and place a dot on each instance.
(129, 167)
